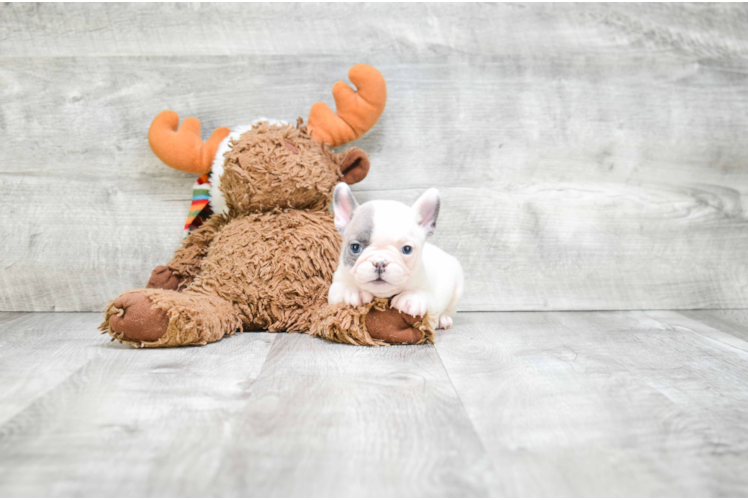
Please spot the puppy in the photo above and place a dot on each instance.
(385, 254)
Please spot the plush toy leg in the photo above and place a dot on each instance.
(164, 278)
(374, 324)
(165, 318)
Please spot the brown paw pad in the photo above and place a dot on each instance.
(393, 327)
(137, 319)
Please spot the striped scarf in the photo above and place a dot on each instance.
(199, 209)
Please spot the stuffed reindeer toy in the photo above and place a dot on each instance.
(265, 258)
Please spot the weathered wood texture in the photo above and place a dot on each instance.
(603, 404)
(106, 400)
(732, 321)
(560, 404)
(589, 156)
(315, 419)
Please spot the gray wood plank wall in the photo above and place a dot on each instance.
(589, 156)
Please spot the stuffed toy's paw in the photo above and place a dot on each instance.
(151, 317)
(164, 278)
(395, 327)
(372, 324)
(132, 318)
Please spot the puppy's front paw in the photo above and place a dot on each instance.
(444, 322)
(413, 303)
(348, 295)
(355, 297)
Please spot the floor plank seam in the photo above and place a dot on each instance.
(721, 337)
(488, 456)
(42, 396)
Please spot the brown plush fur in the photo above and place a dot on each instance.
(278, 166)
(187, 260)
(266, 265)
(192, 319)
(275, 267)
(372, 324)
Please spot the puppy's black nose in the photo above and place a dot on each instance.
(380, 266)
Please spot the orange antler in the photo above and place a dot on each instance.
(184, 149)
(358, 111)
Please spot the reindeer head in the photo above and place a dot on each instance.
(272, 165)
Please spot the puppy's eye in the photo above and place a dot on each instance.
(407, 250)
(355, 248)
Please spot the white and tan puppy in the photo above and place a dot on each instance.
(385, 254)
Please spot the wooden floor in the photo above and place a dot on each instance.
(553, 403)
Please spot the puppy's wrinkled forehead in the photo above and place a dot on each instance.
(381, 221)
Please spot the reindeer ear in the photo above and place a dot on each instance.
(354, 165)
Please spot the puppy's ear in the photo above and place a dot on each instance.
(427, 210)
(354, 165)
(343, 204)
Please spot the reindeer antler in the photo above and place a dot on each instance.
(183, 149)
(358, 111)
